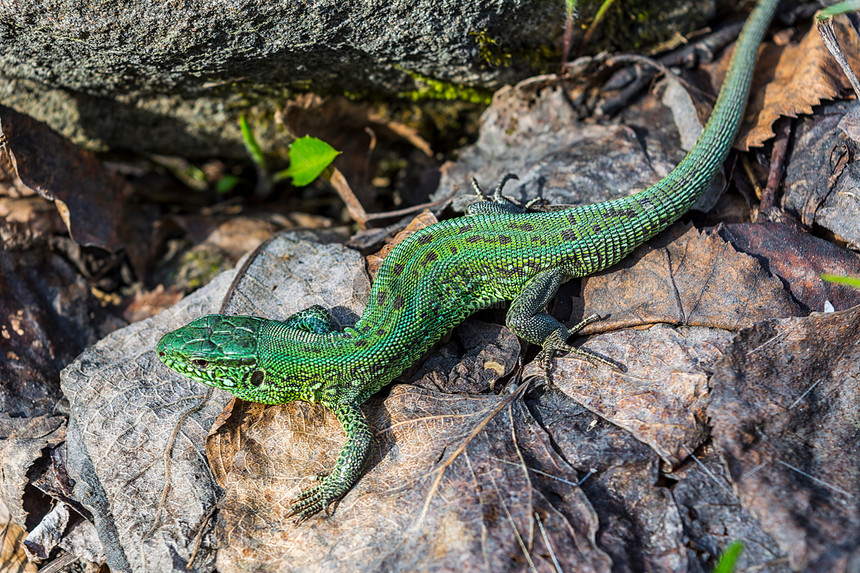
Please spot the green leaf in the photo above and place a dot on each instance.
(226, 183)
(309, 156)
(195, 173)
(727, 560)
(838, 279)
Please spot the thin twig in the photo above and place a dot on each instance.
(815, 479)
(825, 29)
(440, 471)
(547, 543)
(60, 563)
(408, 210)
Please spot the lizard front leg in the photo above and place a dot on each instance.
(347, 468)
(528, 319)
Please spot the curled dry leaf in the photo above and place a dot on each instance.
(798, 259)
(88, 197)
(22, 441)
(794, 76)
(822, 177)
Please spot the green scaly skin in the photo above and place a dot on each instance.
(433, 280)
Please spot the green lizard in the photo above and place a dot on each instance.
(437, 277)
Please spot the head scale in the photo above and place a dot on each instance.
(220, 351)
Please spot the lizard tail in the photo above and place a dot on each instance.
(665, 201)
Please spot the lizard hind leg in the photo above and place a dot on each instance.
(528, 319)
(497, 203)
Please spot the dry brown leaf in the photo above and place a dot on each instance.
(225, 437)
(661, 398)
(481, 516)
(12, 556)
(22, 443)
(794, 77)
(685, 277)
(798, 258)
(785, 412)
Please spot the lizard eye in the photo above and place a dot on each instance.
(200, 363)
(257, 378)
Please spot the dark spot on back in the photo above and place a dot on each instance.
(504, 239)
(361, 343)
(569, 235)
(474, 239)
(466, 228)
(382, 297)
(398, 302)
(425, 239)
(454, 249)
(429, 257)
(397, 268)
(527, 227)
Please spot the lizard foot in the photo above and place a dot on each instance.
(316, 498)
(496, 203)
(556, 343)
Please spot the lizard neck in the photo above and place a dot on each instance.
(361, 359)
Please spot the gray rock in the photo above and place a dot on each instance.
(173, 77)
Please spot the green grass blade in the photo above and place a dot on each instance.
(729, 557)
(251, 145)
(842, 280)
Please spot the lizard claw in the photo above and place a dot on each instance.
(313, 500)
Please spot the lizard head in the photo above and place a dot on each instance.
(220, 351)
